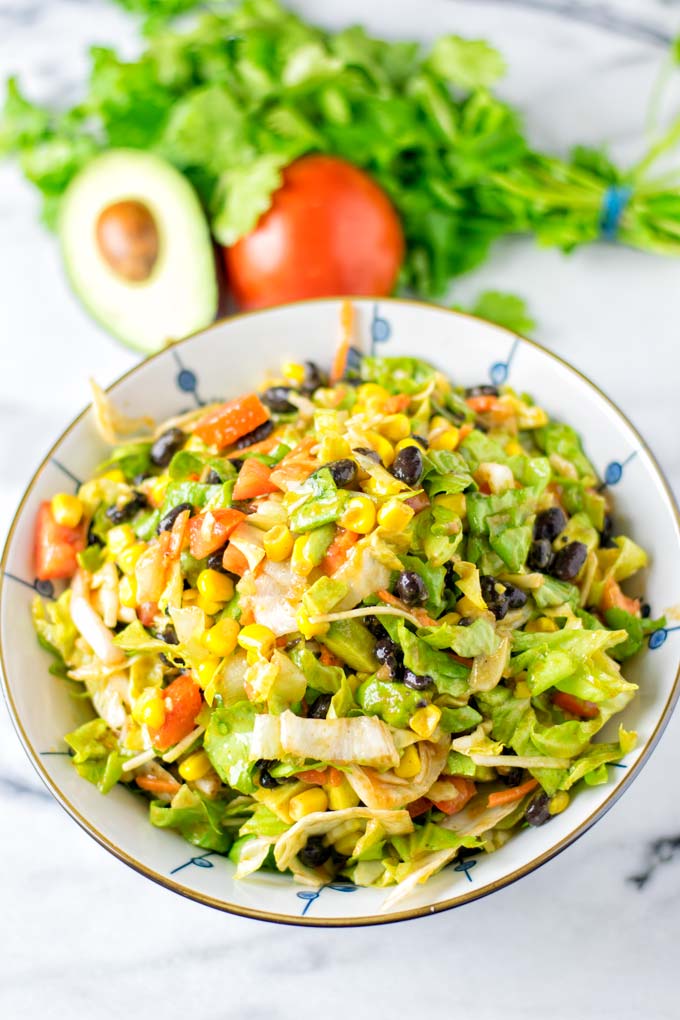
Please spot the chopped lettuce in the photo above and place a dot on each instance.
(96, 755)
(480, 638)
(392, 702)
(450, 677)
(55, 629)
(321, 678)
(202, 822)
(227, 743)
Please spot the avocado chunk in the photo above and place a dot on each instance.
(137, 249)
(352, 643)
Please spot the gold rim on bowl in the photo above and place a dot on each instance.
(333, 922)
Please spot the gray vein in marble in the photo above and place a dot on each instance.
(598, 15)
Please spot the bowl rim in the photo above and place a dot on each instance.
(371, 919)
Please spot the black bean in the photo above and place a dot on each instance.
(410, 588)
(314, 378)
(465, 621)
(169, 635)
(540, 555)
(419, 439)
(173, 513)
(212, 478)
(516, 597)
(550, 523)
(237, 463)
(415, 682)
(375, 626)
(266, 779)
(388, 654)
(645, 610)
(120, 514)
(319, 707)
(214, 561)
(538, 811)
(93, 539)
(166, 446)
(314, 853)
(495, 594)
(256, 436)
(484, 390)
(569, 560)
(408, 466)
(344, 472)
(513, 776)
(466, 851)
(373, 454)
(276, 399)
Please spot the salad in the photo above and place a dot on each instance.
(350, 627)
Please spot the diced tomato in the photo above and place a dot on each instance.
(228, 422)
(254, 479)
(575, 706)
(327, 658)
(396, 404)
(182, 699)
(464, 431)
(462, 790)
(296, 466)
(338, 550)
(613, 598)
(418, 807)
(56, 546)
(482, 404)
(234, 561)
(210, 530)
(147, 612)
(321, 777)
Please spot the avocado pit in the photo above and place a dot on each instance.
(127, 238)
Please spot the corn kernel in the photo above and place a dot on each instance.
(278, 543)
(301, 559)
(341, 796)
(455, 501)
(382, 447)
(215, 585)
(294, 371)
(307, 803)
(222, 639)
(196, 766)
(127, 559)
(158, 489)
(333, 448)
(425, 721)
(372, 391)
(115, 475)
(409, 766)
(307, 629)
(257, 638)
(345, 845)
(394, 515)
(513, 448)
(149, 708)
(543, 625)
(558, 803)
(120, 538)
(522, 689)
(395, 427)
(67, 510)
(209, 607)
(127, 592)
(189, 597)
(447, 439)
(205, 671)
(359, 515)
(409, 441)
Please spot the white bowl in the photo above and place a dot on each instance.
(222, 361)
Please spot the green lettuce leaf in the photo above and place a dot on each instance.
(227, 744)
(450, 677)
(321, 678)
(96, 755)
(479, 638)
(202, 822)
(55, 629)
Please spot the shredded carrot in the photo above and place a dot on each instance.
(511, 795)
(423, 618)
(337, 551)
(346, 332)
(327, 658)
(158, 784)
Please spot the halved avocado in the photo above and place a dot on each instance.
(137, 249)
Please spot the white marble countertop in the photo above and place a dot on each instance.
(84, 936)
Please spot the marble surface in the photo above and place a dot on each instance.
(593, 933)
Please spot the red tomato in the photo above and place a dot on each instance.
(229, 422)
(210, 530)
(56, 546)
(330, 231)
(147, 612)
(451, 793)
(575, 706)
(183, 702)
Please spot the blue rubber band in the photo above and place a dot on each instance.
(614, 202)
